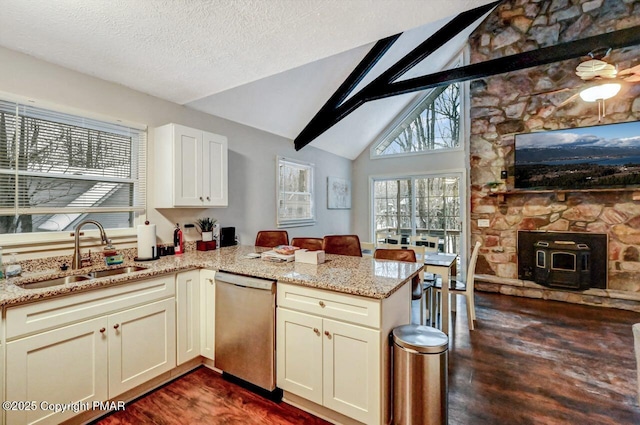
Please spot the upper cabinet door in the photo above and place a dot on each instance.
(194, 164)
(188, 183)
(214, 169)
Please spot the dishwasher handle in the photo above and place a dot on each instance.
(246, 281)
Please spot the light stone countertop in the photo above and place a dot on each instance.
(351, 275)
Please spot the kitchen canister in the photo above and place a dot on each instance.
(147, 242)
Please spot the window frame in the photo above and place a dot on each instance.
(463, 194)
(458, 60)
(282, 222)
(62, 237)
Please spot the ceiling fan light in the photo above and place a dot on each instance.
(600, 92)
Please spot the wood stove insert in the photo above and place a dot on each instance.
(565, 260)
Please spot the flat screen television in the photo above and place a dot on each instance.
(603, 156)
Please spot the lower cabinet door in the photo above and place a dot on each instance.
(352, 377)
(142, 345)
(188, 315)
(299, 354)
(65, 365)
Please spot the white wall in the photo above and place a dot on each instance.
(252, 153)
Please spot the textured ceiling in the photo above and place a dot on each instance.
(186, 50)
(284, 103)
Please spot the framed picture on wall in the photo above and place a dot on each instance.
(338, 193)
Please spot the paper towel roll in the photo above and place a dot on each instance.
(146, 241)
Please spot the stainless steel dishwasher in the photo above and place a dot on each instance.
(245, 328)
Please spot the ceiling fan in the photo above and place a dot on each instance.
(602, 80)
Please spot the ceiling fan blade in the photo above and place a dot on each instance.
(551, 92)
(606, 70)
(633, 74)
(592, 65)
(569, 100)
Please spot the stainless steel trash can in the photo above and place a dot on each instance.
(419, 375)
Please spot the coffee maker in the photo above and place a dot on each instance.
(227, 236)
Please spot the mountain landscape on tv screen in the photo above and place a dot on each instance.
(582, 158)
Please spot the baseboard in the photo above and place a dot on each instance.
(318, 410)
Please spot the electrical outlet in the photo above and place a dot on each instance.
(503, 174)
(484, 222)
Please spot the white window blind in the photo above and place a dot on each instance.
(57, 169)
(296, 206)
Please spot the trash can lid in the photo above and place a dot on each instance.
(423, 339)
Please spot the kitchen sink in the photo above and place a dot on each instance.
(112, 272)
(79, 278)
(55, 282)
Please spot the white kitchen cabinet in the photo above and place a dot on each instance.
(351, 364)
(190, 168)
(299, 354)
(89, 346)
(329, 362)
(207, 313)
(58, 366)
(142, 345)
(188, 315)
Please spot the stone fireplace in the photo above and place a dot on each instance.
(564, 260)
(531, 100)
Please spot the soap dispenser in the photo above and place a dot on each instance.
(13, 268)
(111, 255)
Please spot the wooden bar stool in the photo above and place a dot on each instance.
(312, 244)
(271, 238)
(342, 245)
(407, 254)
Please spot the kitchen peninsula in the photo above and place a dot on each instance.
(348, 305)
(349, 275)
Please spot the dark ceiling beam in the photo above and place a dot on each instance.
(331, 113)
(431, 44)
(366, 64)
(543, 56)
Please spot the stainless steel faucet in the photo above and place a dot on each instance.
(75, 264)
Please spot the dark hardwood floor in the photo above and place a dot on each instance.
(204, 397)
(529, 361)
(533, 361)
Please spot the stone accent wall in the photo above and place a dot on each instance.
(534, 100)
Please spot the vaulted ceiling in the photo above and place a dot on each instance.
(268, 64)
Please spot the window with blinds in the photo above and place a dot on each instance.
(58, 169)
(295, 201)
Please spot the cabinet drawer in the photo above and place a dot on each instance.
(39, 316)
(344, 307)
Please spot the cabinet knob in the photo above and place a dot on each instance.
(327, 334)
(116, 326)
(316, 331)
(201, 198)
(102, 330)
(208, 199)
(322, 304)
